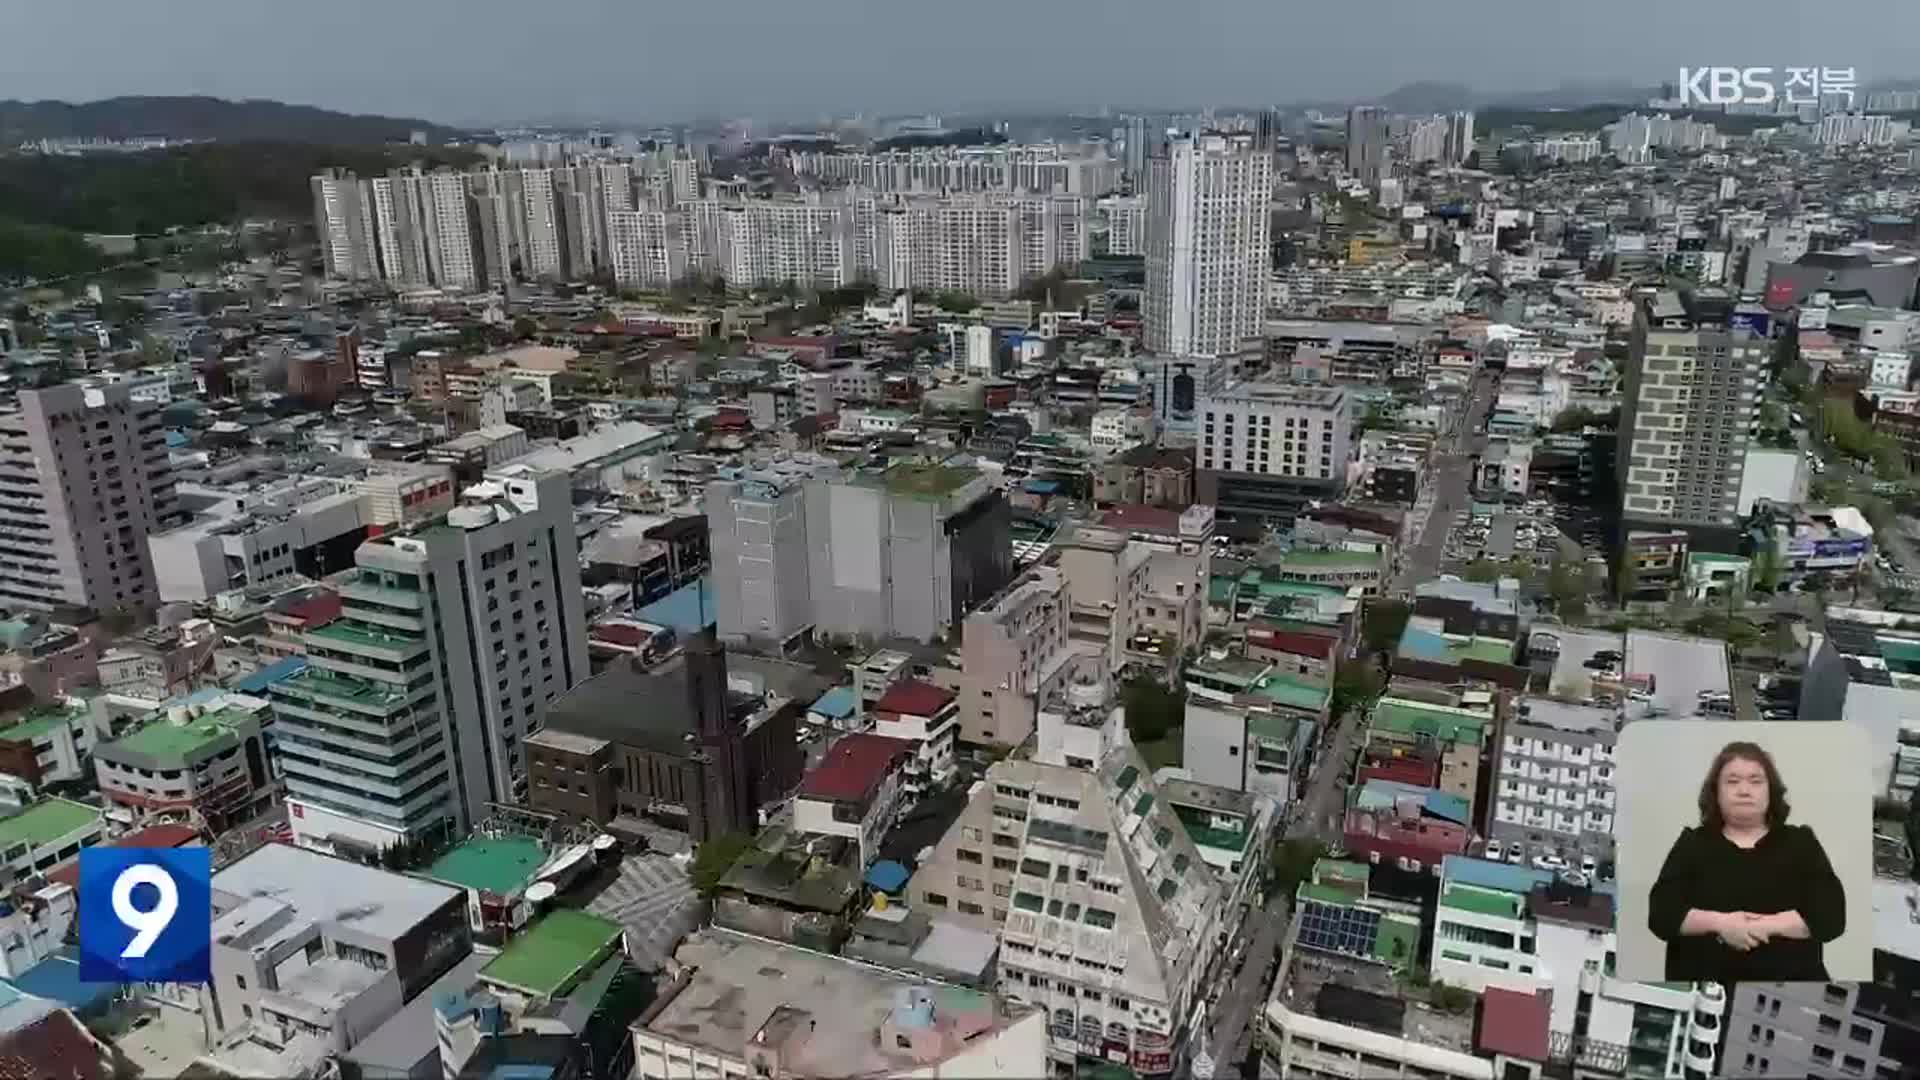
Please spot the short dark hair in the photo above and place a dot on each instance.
(1777, 808)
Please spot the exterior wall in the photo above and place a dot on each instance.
(1010, 652)
(760, 560)
(1689, 403)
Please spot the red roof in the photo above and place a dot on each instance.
(54, 1047)
(317, 610)
(1145, 519)
(158, 836)
(911, 697)
(1515, 1024)
(1297, 642)
(625, 635)
(854, 768)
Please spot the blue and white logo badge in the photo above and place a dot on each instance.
(146, 914)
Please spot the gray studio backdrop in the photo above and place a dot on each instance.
(1661, 765)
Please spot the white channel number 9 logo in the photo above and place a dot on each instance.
(150, 924)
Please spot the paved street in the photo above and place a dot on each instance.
(1236, 1012)
(1446, 491)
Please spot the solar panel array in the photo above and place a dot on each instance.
(1337, 929)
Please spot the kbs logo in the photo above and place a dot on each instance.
(1759, 85)
(146, 914)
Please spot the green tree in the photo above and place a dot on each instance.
(1626, 577)
(714, 858)
(1573, 418)
(525, 328)
(1482, 570)
(1153, 709)
(955, 301)
(1766, 566)
(1385, 621)
(1356, 683)
(1567, 585)
(1292, 864)
(1847, 432)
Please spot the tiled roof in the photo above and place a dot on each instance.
(854, 768)
(55, 1047)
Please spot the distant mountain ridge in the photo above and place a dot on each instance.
(204, 118)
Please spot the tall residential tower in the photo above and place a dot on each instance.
(1207, 244)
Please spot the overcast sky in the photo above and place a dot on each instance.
(505, 61)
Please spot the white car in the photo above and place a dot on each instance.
(1495, 850)
(1515, 855)
(1549, 862)
(1588, 866)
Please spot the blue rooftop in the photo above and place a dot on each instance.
(1418, 644)
(1037, 486)
(686, 610)
(836, 704)
(1433, 802)
(887, 876)
(57, 978)
(1506, 877)
(279, 670)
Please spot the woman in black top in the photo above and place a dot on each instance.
(1746, 896)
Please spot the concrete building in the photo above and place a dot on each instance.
(84, 479)
(312, 953)
(646, 249)
(1012, 652)
(1882, 276)
(926, 718)
(1126, 219)
(1104, 572)
(1368, 153)
(345, 226)
(823, 1016)
(1690, 401)
(45, 834)
(857, 791)
(212, 762)
(452, 640)
(53, 743)
(906, 552)
(1553, 785)
(1108, 915)
(1267, 448)
(758, 534)
(296, 527)
(1508, 927)
(1809, 1029)
(1208, 263)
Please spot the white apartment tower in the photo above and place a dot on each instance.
(1126, 220)
(452, 640)
(1207, 244)
(451, 256)
(646, 248)
(84, 480)
(345, 227)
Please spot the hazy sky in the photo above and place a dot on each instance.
(503, 61)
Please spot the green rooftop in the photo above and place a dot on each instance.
(39, 721)
(45, 822)
(1411, 718)
(1321, 560)
(553, 953)
(1717, 557)
(1902, 656)
(165, 740)
(926, 481)
(495, 864)
(1490, 650)
(340, 630)
(320, 682)
(1294, 694)
(1482, 901)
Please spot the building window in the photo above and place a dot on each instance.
(936, 900)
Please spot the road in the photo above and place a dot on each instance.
(1237, 1009)
(1445, 493)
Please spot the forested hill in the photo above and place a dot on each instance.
(202, 118)
(47, 201)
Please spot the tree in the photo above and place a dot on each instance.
(1847, 432)
(955, 301)
(714, 858)
(1766, 567)
(524, 328)
(1153, 710)
(1626, 577)
(1567, 585)
(1292, 864)
(1482, 570)
(1385, 621)
(1573, 418)
(1356, 683)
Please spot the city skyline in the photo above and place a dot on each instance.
(629, 66)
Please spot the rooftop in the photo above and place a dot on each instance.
(1365, 994)
(42, 720)
(855, 766)
(936, 481)
(161, 739)
(323, 889)
(495, 864)
(551, 955)
(824, 1015)
(45, 822)
(911, 697)
(1683, 668)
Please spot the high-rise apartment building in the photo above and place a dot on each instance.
(449, 229)
(757, 536)
(1459, 137)
(1126, 219)
(1367, 152)
(645, 248)
(1427, 139)
(84, 480)
(1832, 1028)
(398, 217)
(345, 223)
(984, 245)
(1136, 150)
(1013, 651)
(453, 638)
(1207, 244)
(1689, 404)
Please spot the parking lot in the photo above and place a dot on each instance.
(1530, 530)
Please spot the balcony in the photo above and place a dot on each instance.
(366, 641)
